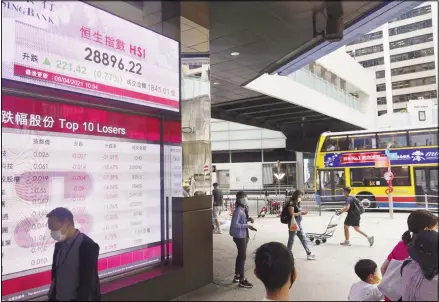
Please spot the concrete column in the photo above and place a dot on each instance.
(299, 171)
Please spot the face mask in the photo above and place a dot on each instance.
(58, 235)
(299, 199)
(244, 201)
(376, 279)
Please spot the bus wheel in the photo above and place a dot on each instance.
(368, 201)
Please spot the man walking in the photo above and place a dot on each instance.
(75, 261)
(217, 207)
(353, 218)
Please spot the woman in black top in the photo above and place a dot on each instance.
(295, 210)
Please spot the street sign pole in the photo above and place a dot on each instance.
(390, 187)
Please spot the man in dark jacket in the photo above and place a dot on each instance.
(75, 261)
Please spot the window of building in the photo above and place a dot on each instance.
(374, 177)
(220, 157)
(397, 139)
(380, 74)
(412, 55)
(423, 138)
(382, 100)
(414, 13)
(368, 37)
(281, 154)
(342, 84)
(411, 41)
(400, 110)
(421, 116)
(369, 50)
(246, 156)
(414, 82)
(335, 143)
(410, 27)
(372, 62)
(362, 141)
(381, 87)
(432, 94)
(381, 112)
(351, 53)
(413, 68)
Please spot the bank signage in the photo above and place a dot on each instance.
(397, 157)
(71, 45)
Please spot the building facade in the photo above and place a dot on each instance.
(403, 56)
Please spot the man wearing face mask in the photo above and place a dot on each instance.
(239, 231)
(75, 261)
(274, 266)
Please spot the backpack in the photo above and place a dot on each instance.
(285, 216)
(358, 207)
(391, 285)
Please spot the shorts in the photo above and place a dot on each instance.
(216, 211)
(352, 220)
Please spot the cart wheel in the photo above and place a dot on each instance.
(318, 241)
(311, 239)
(324, 240)
(259, 215)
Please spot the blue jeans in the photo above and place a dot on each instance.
(300, 234)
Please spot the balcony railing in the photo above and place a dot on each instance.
(312, 81)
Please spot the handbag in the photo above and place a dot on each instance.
(391, 285)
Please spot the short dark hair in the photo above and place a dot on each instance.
(347, 190)
(62, 214)
(215, 184)
(364, 268)
(417, 222)
(240, 195)
(274, 263)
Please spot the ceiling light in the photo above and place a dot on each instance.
(235, 53)
(215, 83)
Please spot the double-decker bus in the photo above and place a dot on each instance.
(350, 159)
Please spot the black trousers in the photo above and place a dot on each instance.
(241, 245)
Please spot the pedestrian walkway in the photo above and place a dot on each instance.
(327, 278)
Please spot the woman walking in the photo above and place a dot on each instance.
(295, 210)
(239, 231)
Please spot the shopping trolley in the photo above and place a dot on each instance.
(329, 232)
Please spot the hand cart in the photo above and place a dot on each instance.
(329, 232)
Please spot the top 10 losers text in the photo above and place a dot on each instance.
(90, 127)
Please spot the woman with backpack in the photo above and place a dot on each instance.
(295, 225)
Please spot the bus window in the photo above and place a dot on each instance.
(374, 177)
(423, 138)
(397, 139)
(335, 143)
(362, 142)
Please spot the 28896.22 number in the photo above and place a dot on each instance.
(106, 59)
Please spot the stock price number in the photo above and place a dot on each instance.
(40, 201)
(38, 225)
(138, 241)
(39, 261)
(38, 249)
(110, 247)
(111, 236)
(105, 59)
(41, 166)
(41, 154)
(39, 213)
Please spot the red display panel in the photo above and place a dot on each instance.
(105, 166)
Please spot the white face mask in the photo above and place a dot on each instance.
(58, 235)
(299, 199)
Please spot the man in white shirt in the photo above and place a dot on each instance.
(274, 266)
(366, 289)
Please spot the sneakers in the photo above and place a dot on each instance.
(236, 279)
(217, 232)
(371, 240)
(346, 243)
(311, 256)
(245, 284)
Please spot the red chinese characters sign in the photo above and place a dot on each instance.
(360, 157)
